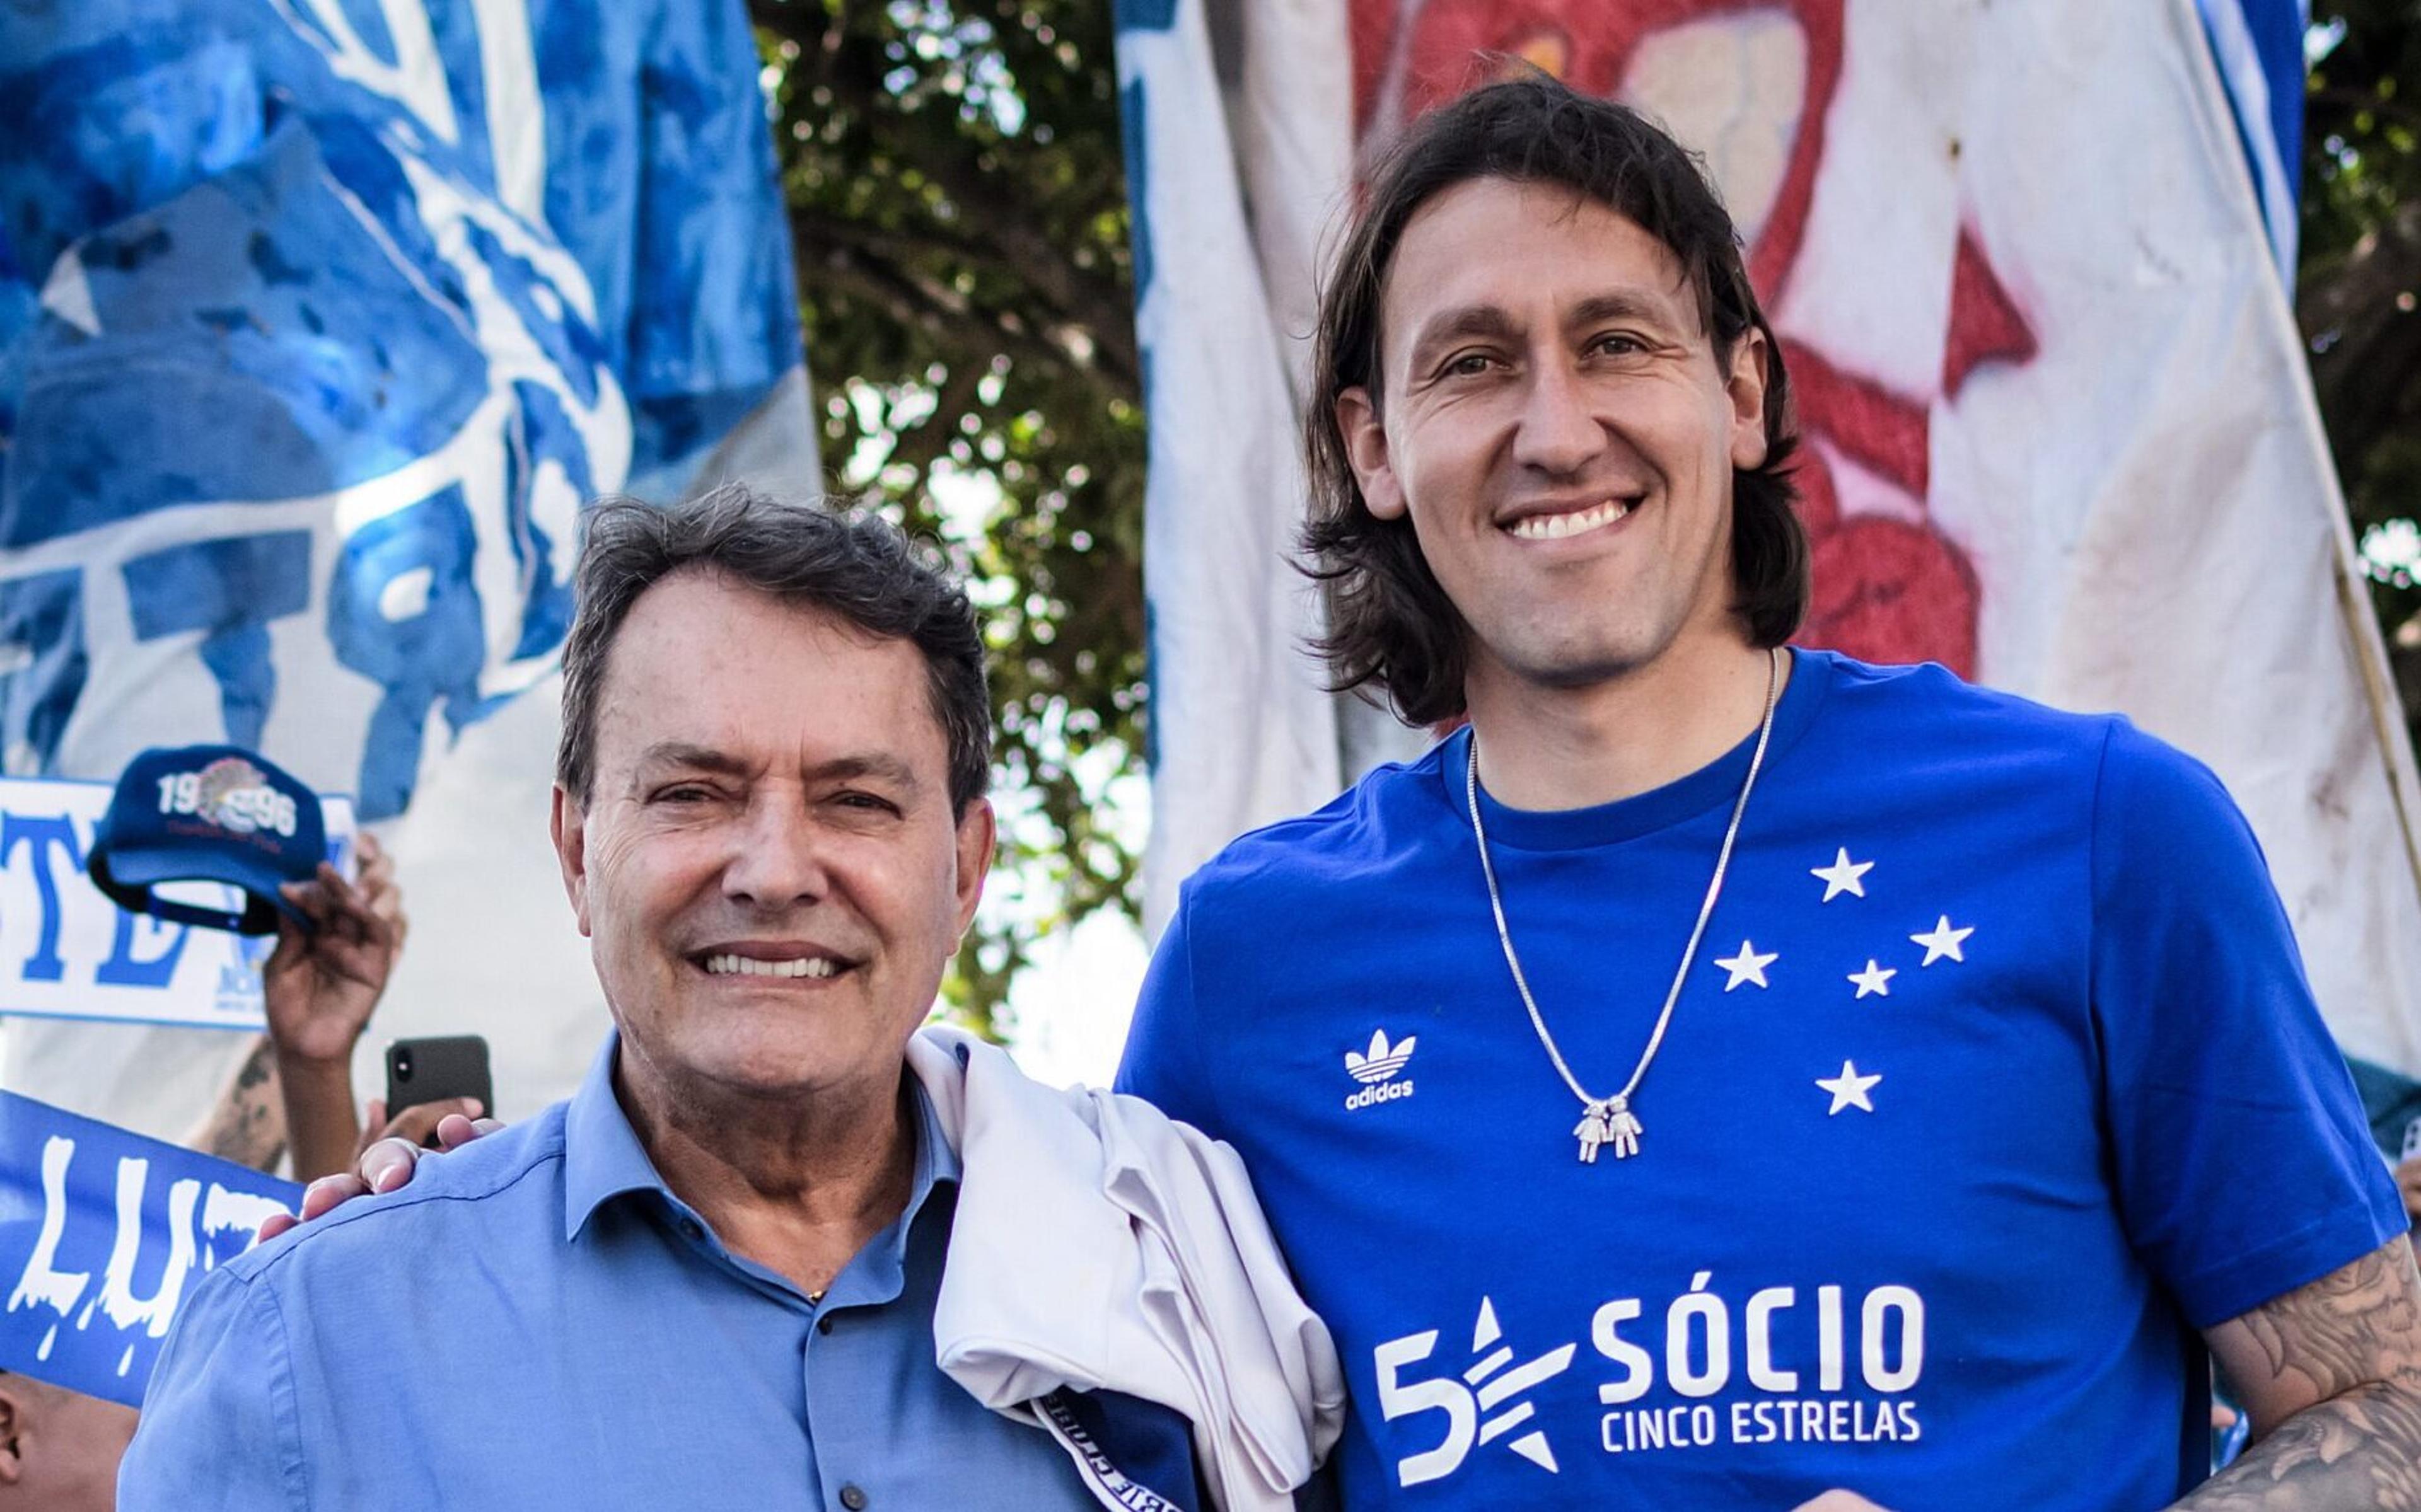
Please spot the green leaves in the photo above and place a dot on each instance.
(2359, 285)
(958, 205)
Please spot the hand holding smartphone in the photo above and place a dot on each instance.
(436, 1069)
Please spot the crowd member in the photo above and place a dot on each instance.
(718, 1277)
(59, 1448)
(1720, 1074)
(294, 1091)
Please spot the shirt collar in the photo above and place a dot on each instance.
(878, 1273)
(602, 1159)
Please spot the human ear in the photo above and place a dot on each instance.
(12, 1429)
(568, 822)
(977, 837)
(1744, 385)
(1366, 451)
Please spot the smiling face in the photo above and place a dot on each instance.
(769, 868)
(1559, 429)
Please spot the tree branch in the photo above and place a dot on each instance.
(1101, 307)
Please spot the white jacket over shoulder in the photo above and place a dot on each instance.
(1102, 1245)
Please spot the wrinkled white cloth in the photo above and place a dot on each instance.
(1101, 1244)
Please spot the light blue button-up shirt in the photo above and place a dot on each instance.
(536, 1321)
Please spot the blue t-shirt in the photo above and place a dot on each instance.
(1995, 1077)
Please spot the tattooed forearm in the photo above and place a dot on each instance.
(2340, 1361)
(248, 1124)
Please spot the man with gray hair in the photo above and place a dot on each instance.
(722, 1273)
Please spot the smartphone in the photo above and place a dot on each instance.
(433, 1070)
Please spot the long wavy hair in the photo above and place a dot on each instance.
(1391, 631)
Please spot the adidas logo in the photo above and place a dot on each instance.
(1376, 1069)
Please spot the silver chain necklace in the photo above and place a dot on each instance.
(1610, 1121)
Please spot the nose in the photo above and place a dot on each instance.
(1557, 431)
(778, 860)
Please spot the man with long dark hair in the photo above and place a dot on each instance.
(1719, 1074)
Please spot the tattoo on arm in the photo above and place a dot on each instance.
(2349, 1346)
(248, 1124)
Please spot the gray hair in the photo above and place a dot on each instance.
(856, 566)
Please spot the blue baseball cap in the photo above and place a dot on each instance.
(214, 814)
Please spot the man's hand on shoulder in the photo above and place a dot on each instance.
(2331, 1375)
(387, 1159)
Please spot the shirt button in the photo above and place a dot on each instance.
(854, 1499)
(823, 1325)
(690, 1229)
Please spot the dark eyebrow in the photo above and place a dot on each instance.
(1623, 304)
(694, 758)
(874, 764)
(1483, 321)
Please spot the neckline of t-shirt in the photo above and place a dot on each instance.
(1714, 785)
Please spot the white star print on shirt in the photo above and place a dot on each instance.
(1842, 874)
(1944, 940)
(1875, 981)
(1748, 966)
(1849, 1089)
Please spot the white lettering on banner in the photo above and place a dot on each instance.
(1770, 1337)
(117, 1297)
(67, 951)
(43, 1285)
(236, 1212)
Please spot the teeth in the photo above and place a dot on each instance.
(750, 966)
(1554, 527)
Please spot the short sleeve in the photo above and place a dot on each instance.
(219, 1428)
(2244, 1166)
(1163, 1063)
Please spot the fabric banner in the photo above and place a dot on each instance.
(67, 951)
(1240, 732)
(101, 1232)
(2061, 433)
(319, 319)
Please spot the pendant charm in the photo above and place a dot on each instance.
(1610, 1122)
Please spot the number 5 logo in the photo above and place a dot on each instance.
(1400, 1398)
(1496, 1386)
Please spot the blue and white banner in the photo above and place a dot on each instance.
(320, 322)
(67, 951)
(2025, 263)
(100, 1234)
(2258, 46)
(1241, 733)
